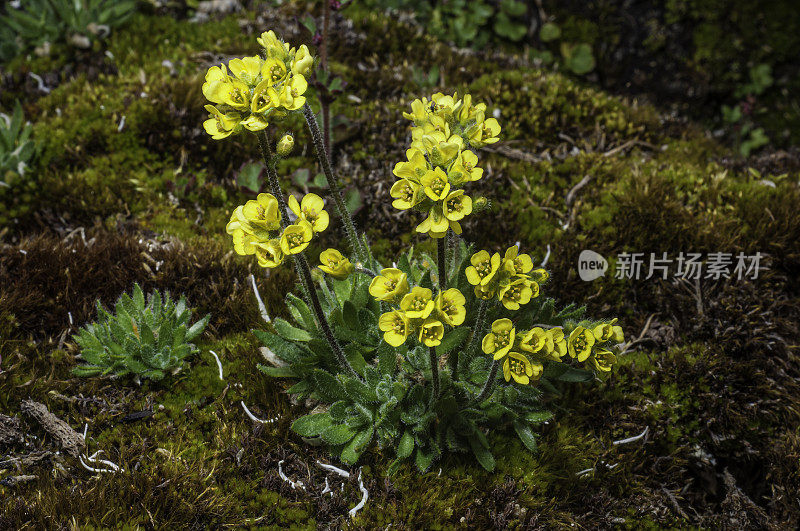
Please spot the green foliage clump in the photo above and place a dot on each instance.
(74, 22)
(146, 340)
(17, 147)
(467, 23)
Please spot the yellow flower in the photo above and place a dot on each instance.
(405, 193)
(303, 61)
(603, 359)
(418, 304)
(295, 238)
(483, 132)
(247, 69)
(450, 307)
(484, 292)
(265, 98)
(435, 184)
(336, 265)
(216, 77)
(457, 205)
(443, 105)
(465, 168)
(483, 268)
(221, 125)
(468, 112)
(274, 71)
(312, 210)
(517, 293)
(533, 340)
(441, 150)
(517, 264)
(390, 285)
(237, 220)
(263, 213)
(420, 111)
(521, 369)
(414, 168)
(244, 243)
(395, 327)
(291, 96)
(431, 332)
(273, 46)
(556, 343)
(580, 343)
(499, 341)
(269, 254)
(603, 332)
(436, 225)
(540, 275)
(234, 93)
(619, 337)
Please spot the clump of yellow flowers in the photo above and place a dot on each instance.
(422, 356)
(250, 91)
(439, 162)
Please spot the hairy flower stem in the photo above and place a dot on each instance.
(333, 184)
(300, 262)
(434, 373)
(442, 264)
(475, 331)
(326, 104)
(489, 385)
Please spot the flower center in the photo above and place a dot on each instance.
(236, 96)
(295, 240)
(501, 339)
(516, 367)
(390, 284)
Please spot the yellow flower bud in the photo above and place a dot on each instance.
(285, 145)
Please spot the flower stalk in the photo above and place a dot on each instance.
(488, 387)
(303, 271)
(333, 184)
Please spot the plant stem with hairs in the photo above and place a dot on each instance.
(479, 323)
(434, 372)
(335, 188)
(323, 61)
(303, 271)
(489, 385)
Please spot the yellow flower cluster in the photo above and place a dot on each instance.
(416, 311)
(523, 353)
(251, 90)
(255, 227)
(438, 163)
(511, 278)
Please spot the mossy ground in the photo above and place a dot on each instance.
(714, 377)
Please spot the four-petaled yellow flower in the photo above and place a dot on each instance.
(499, 341)
(450, 307)
(517, 293)
(390, 285)
(395, 326)
(515, 263)
(435, 184)
(312, 210)
(406, 194)
(520, 368)
(603, 359)
(335, 264)
(483, 268)
(431, 332)
(413, 169)
(456, 206)
(269, 253)
(221, 125)
(533, 340)
(603, 332)
(418, 303)
(556, 343)
(295, 238)
(263, 212)
(580, 343)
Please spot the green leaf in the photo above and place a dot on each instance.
(249, 176)
(350, 316)
(300, 311)
(452, 340)
(387, 359)
(549, 32)
(356, 447)
(424, 459)
(406, 445)
(578, 57)
(312, 425)
(482, 454)
(277, 372)
(337, 434)
(197, 328)
(537, 417)
(342, 289)
(573, 374)
(525, 435)
(289, 332)
(327, 386)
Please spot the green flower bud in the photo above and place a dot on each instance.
(480, 203)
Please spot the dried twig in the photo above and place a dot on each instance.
(261, 307)
(364, 497)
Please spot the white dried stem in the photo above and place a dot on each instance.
(632, 439)
(261, 307)
(219, 364)
(364, 497)
(343, 473)
(256, 419)
(293, 484)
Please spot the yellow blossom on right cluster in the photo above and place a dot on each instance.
(511, 278)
